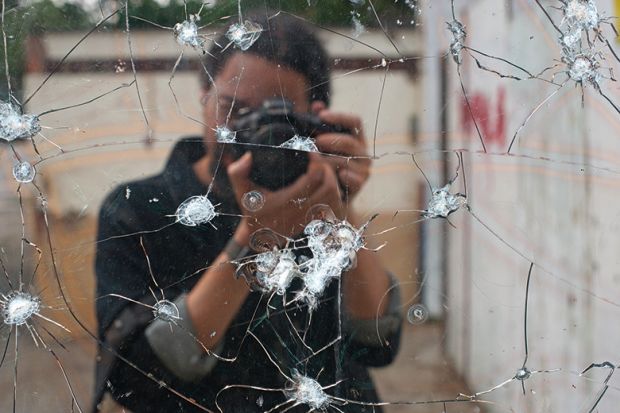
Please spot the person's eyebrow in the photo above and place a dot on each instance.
(239, 103)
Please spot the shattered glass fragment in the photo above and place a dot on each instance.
(579, 17)
(266, 261)
(580, 14)
(603, 390)
(583, 68)
(253, 201)
(458, 37)
(264, 240)
(186, 34)
(523, 374)
(196, 210)
(23, 172)
(120, 67)
(166, 310)
(276, 270)
(270, 272)
(224, 135)
(244, 35)
(571, 39)
(15, 125)
(334, 246)
(308, 391)
(337, 245)
(334, 249)
(321, 212)
(443, 203)
(413, 5)
(300, 143)
(18, 307)
(417, 314)
(317, 229)
(358, 27)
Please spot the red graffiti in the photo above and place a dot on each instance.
(492, 128)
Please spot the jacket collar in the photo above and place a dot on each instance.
(179, 174)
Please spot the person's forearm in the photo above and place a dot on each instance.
(365, 286)
(217, 297)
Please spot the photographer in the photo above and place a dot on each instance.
(208, 347)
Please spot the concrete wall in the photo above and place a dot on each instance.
(556, 204)
(118, 118)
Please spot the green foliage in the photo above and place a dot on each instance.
(166, 15)
(41, 16)
(321, 12)
(36, 18)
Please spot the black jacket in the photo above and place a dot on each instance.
(178, 255)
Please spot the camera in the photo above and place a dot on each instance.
(262, 131)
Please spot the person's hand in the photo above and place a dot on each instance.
(284, 211)
(351, 164)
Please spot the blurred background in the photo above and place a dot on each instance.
(552, 201)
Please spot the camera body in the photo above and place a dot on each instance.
(262, 131)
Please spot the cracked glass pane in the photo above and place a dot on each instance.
(309, 206)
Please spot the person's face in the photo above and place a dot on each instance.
(246, 81)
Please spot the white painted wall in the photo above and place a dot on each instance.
(562, 213)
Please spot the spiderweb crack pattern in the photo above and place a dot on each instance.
(333, 243)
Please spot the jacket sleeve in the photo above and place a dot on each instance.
(375, 342)
(120, 264)
(135, 344)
